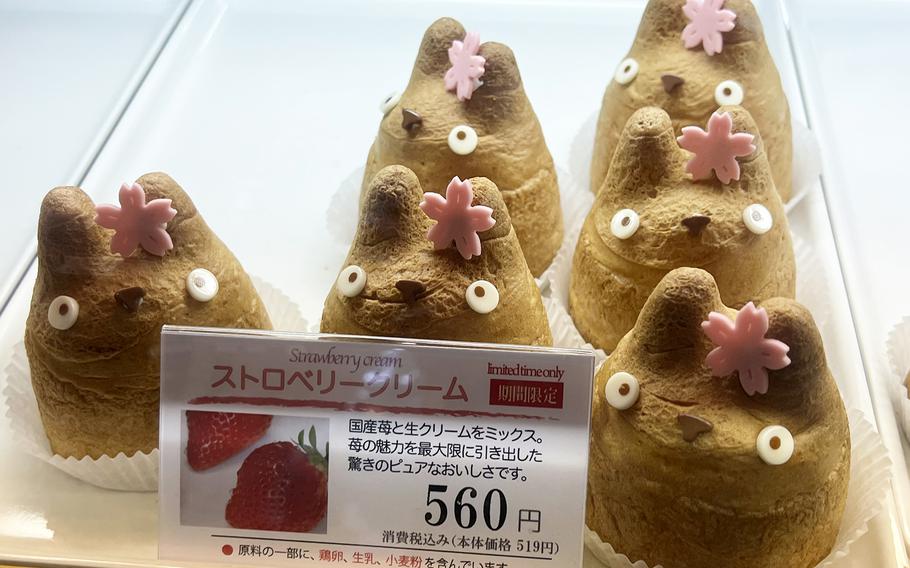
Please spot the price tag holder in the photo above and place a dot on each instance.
(286, 449)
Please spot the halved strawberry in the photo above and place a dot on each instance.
(281, 486)
(216, 436)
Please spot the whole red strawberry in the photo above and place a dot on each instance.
(214, 437)
(281, 486)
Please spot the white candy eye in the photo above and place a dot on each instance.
(774, 445)
(482, 296)
(621, 390)
(202, 285)
(463, 139)
(351, 281)
(624, 224)
(626, 72)
(758, 219)
(729, 93)
(63, 312)
(389, 102)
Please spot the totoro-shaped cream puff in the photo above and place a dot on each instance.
(690, 57)
(705, 200)
(719, 438)
(465, 113)
(435, 266)
(108, 278)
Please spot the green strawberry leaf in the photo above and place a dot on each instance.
(313, 437)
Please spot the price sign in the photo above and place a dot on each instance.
(306, 450)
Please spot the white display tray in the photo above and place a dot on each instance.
(852, 61)
(68, 71)
(261, 111)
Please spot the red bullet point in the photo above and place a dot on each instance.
(227, 550)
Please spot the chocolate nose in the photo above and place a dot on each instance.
(696, 223)
(410, 120)
(671, 82)
(410, 289)
(130, 298)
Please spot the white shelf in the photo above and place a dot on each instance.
(68, 70)
(853, 63)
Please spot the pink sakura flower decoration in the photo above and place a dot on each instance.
(136, 222)
(707, 20)
(743, 347)
(716, 149)
(467, 66)
(456, 219)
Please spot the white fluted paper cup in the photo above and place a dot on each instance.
(564, 332)
(138, 472)
(870, 477)
(899, 358)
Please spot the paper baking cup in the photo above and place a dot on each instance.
(343, 213)
(811, 286)
(806, 157)
(870, 476)
(564, 332)
(899, 357)
(138, 472)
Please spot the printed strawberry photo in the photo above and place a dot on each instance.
(282, 486)
(255, 471)
(213, 437)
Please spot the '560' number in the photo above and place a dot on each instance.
(463, 509)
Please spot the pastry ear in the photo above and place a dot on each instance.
(187, 226)
(433, 57)
(797, 384)
(486, 193)
(390, 208)
(755, 169)
(500, 69)
(671, 318)
(662, 19)
(159, 185)
(646, 152)
(68, 236)
(747, 24)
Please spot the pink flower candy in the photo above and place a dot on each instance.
(136, 222)
(716, 149)
(743, 347)
(456, 219)
(467, 66)
(707, 20)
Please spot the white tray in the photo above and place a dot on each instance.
(68, 72)
(849, 56)
(260, 112)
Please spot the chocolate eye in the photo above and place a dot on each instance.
(774, 445)
(388, 102)
(626, 72)
(621, 390)
(624, 224)
(729, 93)
(463, 139)
(63, 312)
(351, 281)
(202, 285)
(758, 219)
(482, 296)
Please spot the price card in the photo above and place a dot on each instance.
(287, 449)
